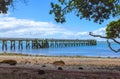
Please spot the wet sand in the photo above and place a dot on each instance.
(31, 67)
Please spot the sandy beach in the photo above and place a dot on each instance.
(68, 60)
(42, 67)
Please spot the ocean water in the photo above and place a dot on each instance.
(100, 50)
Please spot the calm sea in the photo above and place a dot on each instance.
(100, 50)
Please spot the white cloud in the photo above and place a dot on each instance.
(100, 31)
(13, 27)
(82, 33)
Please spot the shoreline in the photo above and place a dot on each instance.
(69, 60)
(44, 67)
(77, 56)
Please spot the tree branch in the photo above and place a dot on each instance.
(116, 41)
(109, 45)
(67, 6)
(104, 37)
(90, 33)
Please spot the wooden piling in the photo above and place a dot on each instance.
(4, 45)
(44, 43)
(27, 44)
(12, 46)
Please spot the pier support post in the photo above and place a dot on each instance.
(20, 45)
(4, 45)
(27, 44)
(45, 43)
(36, 44)
(12, 46)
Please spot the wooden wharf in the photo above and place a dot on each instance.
(36, 43)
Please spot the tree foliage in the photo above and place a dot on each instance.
(96, 10)
(4, 5)
(113, 29)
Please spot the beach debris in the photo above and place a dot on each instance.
(10, 62)
(61, 63)
(80, 68)
(41, 72)
(60, 68)
(43, 65)
(27, 62)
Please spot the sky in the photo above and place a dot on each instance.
(32, 20)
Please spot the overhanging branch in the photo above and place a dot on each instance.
(109, 45)
(90, 33)
(116, 41)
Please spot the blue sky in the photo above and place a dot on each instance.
(32, 20)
